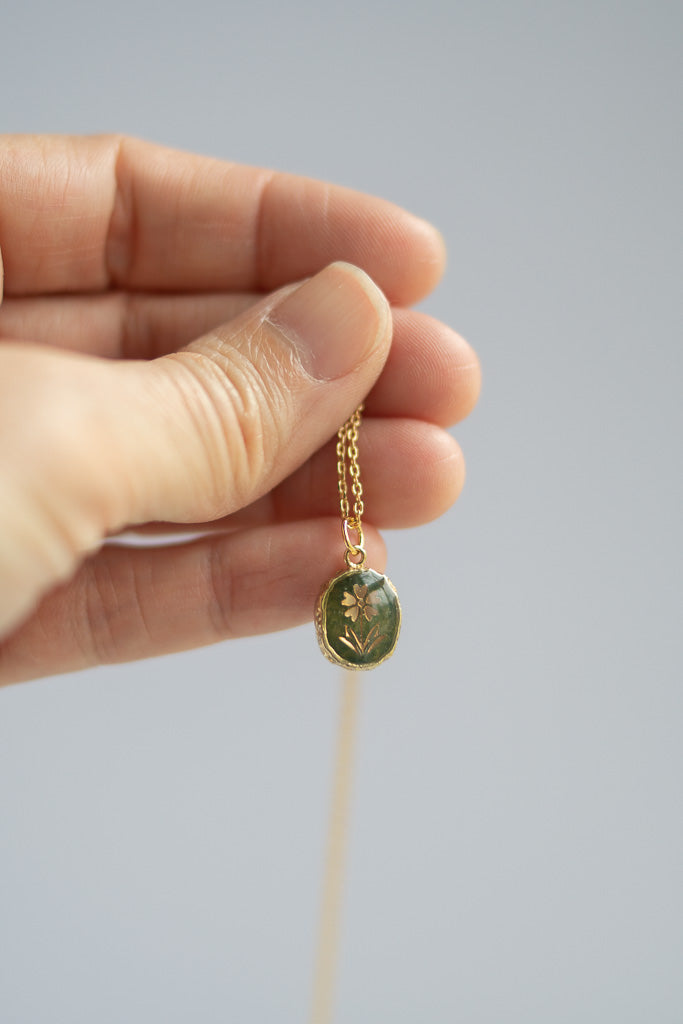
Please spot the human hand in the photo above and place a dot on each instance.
(162, 364)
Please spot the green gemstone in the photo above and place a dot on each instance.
(358, 619)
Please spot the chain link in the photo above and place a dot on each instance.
(349, 470)
(347, 466)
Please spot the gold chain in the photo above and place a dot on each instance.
(348, 468)
(327, 955)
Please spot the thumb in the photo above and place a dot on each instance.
(90, 445)
(217, 425)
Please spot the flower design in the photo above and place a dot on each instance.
(359, 603)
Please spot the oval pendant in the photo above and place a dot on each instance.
(358, 619)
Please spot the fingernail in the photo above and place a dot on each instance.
(334, 320)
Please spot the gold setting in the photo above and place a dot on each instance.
(364, 611)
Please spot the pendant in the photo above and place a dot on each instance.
(358, 618)
(357, 615)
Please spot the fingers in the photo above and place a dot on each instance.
(120, 325)
(89, 213)
(127, 603)
(431, 373)
(412, 472)
(193, 436)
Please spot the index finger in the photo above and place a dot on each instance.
(86, 213)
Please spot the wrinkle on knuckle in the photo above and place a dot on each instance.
(113, 610)
(135, 336)
(262, 255)
(100, 604)
(120, 237)
(240, 403)
(220, 585)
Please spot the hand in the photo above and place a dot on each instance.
(161, 363)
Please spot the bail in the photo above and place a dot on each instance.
(354, 556)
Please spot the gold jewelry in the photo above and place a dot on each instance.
(358, 615)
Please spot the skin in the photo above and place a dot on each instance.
(180, 339)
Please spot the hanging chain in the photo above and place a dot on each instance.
(348, 468)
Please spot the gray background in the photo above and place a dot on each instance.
(517, 848)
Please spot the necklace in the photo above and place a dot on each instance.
(358, 618)
(358, 615)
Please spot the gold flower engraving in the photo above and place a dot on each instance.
(358, 606)
(359, 603)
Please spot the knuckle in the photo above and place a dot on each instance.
(112, 613)
(220, 584)
(239, 399)
(100, 600)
